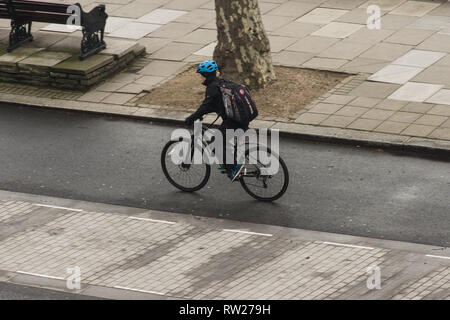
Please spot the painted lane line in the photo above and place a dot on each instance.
(248, 232)
(40, 275)
(152, 220)
(348, 245)
(137, 290)
(55, 207)
(439, 257)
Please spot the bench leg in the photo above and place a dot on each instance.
(19, 34)
(91, 43)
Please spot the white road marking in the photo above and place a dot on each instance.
(248, 232)
(348, 245)
(40, 275)
(439, 257)
(55, 207)
(152, 220)
(144, 291)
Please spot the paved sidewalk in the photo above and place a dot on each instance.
(134, 253)
(398, 89)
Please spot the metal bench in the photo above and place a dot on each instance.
(23, 12)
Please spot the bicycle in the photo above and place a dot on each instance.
(190, 177)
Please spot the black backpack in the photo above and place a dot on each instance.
(238, 102)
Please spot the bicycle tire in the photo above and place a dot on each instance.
(172, 181)
(285, 183)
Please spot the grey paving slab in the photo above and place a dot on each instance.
(322, 15)
(364, 65)
(206, 50)
(312, 44)
(153, 44)
(386, 51)
(437, 42)
(114, 23)
(18, 55)
(161, 16)
(434, 74)
(200, 36)
(174, 30)
(337, 30)
(419, 58)
(67, 44)
(150, 81)
(176, 51)
(357, 15)
(272, 23)
(162, 68)
(365, 35)
(415, 8)
(134, 9)
(74, 65)
(278, 43)
(442, 10)
(293, 9)
(429, 22)
(45, 58)
(296, 30)
(415, 91)
(119, 48)
(134, 30)
(407, 117)
(342, 4)
(374, 89)
(198, 16)
(396, 21)
(291, 58)
(440, 97)
(185, 5)
(418, 107)
(44, 39)
(345, 50)
(411, 37)
(324, 63)
(387, 5)
(395, 74)
(94, 96)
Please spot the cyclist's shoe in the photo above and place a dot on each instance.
(222, 167)
(236, 172)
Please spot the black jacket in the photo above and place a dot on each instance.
(213, 99)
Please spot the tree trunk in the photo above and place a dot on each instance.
(243, 49)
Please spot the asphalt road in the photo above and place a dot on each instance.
(333, 188)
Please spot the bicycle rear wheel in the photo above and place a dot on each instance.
(186, 177)
(258, 183)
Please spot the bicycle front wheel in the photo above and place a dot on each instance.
(184, 176)
(262, 181)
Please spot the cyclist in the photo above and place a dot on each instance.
(213, 103)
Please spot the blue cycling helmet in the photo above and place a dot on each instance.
(207, 66)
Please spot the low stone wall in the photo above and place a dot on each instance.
(71, 73)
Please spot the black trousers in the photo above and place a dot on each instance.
(228, 145)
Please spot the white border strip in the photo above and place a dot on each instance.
(152, 220)
(55, 207)
(39, 275)
(248, 232)
(439, 257)
(137, 290)
(348, 245)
